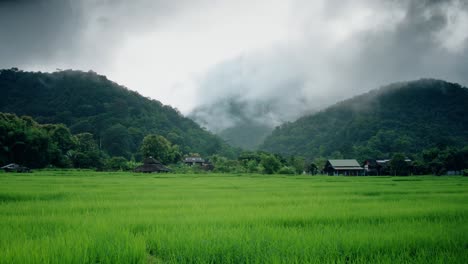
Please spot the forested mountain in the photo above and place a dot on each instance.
(404, 117)
(117, 117)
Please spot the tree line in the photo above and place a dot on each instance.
(26, 142)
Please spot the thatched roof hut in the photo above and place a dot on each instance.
(151, 165)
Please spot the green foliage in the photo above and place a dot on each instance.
(398, 165)
(24, 141)
(401, 118)
(116, 140)
(90, 103)
(160, 148)
(298, 163)
(87, 153)
(287, 170)
(117, 163)
(439, 161)
(312, 168)
(225, 165)
(270, 163)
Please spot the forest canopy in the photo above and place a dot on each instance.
(117, 118)
(400, 118)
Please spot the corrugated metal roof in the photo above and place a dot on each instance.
(194, 159)
(344, 163)
(347, 168)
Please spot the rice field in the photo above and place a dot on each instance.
(97, 217)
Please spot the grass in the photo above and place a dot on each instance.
(90, 217)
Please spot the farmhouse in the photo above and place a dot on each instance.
(343, 167)
(380, 167)
(151, 165)
(194, 161)
(204, 164)
(376, 167)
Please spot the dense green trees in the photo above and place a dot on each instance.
(87, 153)
(24, 141)
(401, 118)
(117, 118)
(438, 161)
(270, 163)
(398, 165)
(160, 148)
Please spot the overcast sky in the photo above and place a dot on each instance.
(296, 54)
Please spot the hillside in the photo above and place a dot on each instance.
(403, 117)
(87, 102)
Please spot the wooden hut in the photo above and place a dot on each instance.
(151, 165)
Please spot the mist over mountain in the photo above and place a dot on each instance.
(245, 123)
(117, 117)
(337, 49)
(404, 117)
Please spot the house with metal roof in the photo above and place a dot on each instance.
(348, 167)
(194, 160)
(380, 167)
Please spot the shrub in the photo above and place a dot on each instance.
(287, 170)
(116, 163)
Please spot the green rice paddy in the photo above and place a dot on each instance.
(92, 217)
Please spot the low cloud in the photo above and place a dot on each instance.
(343, 48)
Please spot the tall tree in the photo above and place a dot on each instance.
(159, 148)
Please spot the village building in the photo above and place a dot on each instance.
(194, 161)
(13, 167)
(376, 167)
(151, 165)
(204, 164)
(380, 167)
(347, 167)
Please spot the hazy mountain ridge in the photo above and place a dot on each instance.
(402, 117)
(244, 122)
(87, 102)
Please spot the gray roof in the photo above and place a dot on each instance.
(194, 159)
(345, 163)
(10, 166)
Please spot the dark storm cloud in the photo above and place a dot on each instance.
(36, 30)
(426, 41)
(416, 48)
(74, 32)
